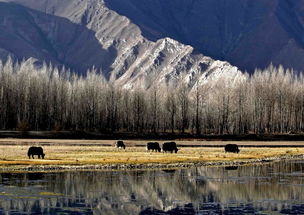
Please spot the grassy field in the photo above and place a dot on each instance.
(83, 152)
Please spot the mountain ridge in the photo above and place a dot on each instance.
(82, 34)
(248, 34)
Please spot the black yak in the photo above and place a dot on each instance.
(120, 144)
(35, 151)
(153, 146)
(170, 147)
(232, 148)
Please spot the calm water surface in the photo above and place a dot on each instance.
(275, 188)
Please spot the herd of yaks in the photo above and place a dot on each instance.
(151, 146)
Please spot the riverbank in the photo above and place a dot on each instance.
(96, 155)
(115, 166)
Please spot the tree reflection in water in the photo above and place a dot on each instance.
(274, 187)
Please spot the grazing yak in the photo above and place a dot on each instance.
(170, 147)
(120, 144)
(153, 146)
(35, 151)
(232, 148)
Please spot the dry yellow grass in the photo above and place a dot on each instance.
(84, 155)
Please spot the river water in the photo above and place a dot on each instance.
(273, 188)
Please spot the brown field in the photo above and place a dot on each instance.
(90, 152)
(131, 143)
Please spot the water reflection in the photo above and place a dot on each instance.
(275, 187)
(231, 167)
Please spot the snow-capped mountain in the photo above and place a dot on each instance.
(80, 34)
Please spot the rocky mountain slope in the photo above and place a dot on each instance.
(246, 33)
(80, 34)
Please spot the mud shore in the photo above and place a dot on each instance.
(74, 135)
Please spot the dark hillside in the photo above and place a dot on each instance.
(246, 33)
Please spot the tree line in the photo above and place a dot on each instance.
(46, 98)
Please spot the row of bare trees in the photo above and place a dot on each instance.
(269, 101)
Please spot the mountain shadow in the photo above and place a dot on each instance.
(27, 33)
